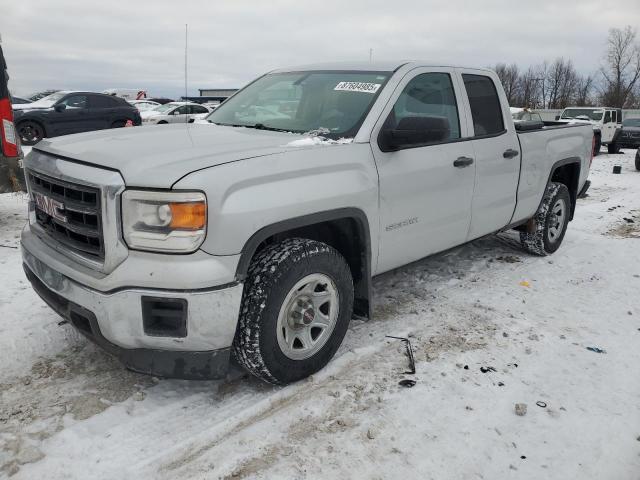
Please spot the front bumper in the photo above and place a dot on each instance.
(114, 319)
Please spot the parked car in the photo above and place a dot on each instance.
(11, 172)
(73, 112)
(629, 135)
(144, 105)
(606, 122)
(34, 97)
(160, 100)
(127, 93)
(42, 102)
(257, 234)
(175, 112)
(524, 115)
(19, 100)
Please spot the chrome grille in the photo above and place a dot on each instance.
(79, 225)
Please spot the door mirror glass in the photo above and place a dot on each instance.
(61, 107)
(416, 131)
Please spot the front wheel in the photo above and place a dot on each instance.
(296, 307)
(30, 133)
(550, 221)
(613, 148)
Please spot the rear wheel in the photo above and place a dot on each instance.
(118, 124)
(613, 148)
(297, 304)
(30, 132)
(550, 221)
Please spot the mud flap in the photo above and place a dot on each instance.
(11, 175)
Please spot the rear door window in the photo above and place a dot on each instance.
(98, 101)
(486, 110)
(607, 117)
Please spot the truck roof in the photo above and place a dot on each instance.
(381, 66)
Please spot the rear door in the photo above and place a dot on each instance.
(496, 151)
(100, 113)
(425, 188)
(197, 111)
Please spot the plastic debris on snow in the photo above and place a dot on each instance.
(596, 350)
(524, 283)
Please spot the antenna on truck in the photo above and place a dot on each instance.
(186, 43)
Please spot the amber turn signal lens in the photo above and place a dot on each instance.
(188, 216)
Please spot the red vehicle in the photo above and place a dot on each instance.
(11, 172)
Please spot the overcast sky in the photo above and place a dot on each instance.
(94, 45)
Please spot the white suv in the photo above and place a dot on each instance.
(606, 122)
(175, 112)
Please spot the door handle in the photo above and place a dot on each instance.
(511, 153)
(462, 162)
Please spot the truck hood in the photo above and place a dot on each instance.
(157, 156)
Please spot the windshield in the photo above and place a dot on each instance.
(582, 113)
(631, 122)
(49, 101)
(334, 103)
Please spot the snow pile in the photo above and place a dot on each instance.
(318, 140)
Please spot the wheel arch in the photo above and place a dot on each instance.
(39, 121)
(567, 172)
(345, 229)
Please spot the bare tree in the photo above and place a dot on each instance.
(509, 75)
(562, 80)
(622, 70)
(584, 88)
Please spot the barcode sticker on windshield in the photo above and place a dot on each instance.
(358, 87)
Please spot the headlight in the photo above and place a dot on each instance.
(174, 222)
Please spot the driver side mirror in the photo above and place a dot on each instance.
(413, 132)
(61, 107)
(557, 117)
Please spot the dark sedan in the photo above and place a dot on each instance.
(629, 135)
(64, 113)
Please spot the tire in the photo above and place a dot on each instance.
(267, 343)
(162, 122)
(638, 160)
(549, 231)
(613, 148)
(598, 145)
(30, 132)
(119, 124)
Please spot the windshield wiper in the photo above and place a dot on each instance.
(257, 126)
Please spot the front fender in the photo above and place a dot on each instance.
(246, 196)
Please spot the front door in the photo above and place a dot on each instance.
(426, 184)
(496, 151)
(73, 118)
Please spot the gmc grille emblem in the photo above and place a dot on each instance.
(50, 206)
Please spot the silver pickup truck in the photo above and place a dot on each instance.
(255, 234)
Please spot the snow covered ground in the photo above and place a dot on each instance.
(67, 410)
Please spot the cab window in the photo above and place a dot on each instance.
(486, 110)
(607, 117)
